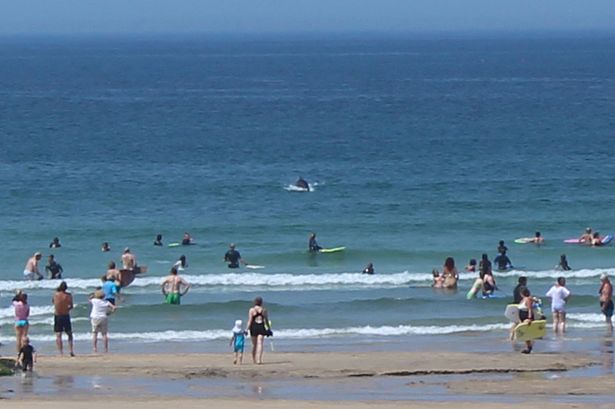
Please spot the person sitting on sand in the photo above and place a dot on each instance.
(563, 263)
(438, 280)
(302, 184)
(369, 269)
(587, 236)
(450, 273)
(471, 267)
(174, 287)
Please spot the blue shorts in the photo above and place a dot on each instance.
(21, 323)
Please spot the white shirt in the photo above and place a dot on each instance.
(99, 308)
(558, 295)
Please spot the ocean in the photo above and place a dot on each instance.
(418, 148)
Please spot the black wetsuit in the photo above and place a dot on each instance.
(313, 246)
(27, 353)
(503, 262)
(55, 269)
(232, 257)
(517, 297)
(303, 184)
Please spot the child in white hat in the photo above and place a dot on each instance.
(237, 341)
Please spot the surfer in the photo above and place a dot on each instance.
(369, 269)
(55, 243)
(172, 287)
(563, 263)
(187, 240)
(502, 247)
(53, 268)
(233, 257)
(538, 239)
(181, 263)
(158, 240)
(503, 261)
(606, 299)
(559, 295)
(587, 236)
(449, 273)
(105, 247)
(526, 314)
(302, 184)
(313, 246)
(31, 268)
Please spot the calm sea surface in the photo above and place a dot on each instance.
(418, 149)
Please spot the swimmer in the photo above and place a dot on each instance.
(538, 239)
(606, 299)
(55, 243)
(450, 273)
(313, 246)
(105, 247)
(587, 236)
(471, 267)
(181, 263)
(53, 268)
(31, 269)
(503, 261)
(438, 280)
(302, 184)
(563, 263)
(187, 240)
(174, 287)
(158, 240)
(233, 257)
(502, 247)
(369, 269)
(129, 261)
(596, 240)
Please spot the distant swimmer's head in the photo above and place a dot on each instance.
(51, 257)
(111, 265)
(588, 230)
(312, 235)
(525, 292)
(258, 301)
(38, 255)
(159, 237)
(604, 277)
(126, 250)
(485, 257)
(182, 258)
(561, 281)
(522, 280)
(501, 243)
(472, 262)
(174, 271)
(232, 246)
(537, 234)
(596, 235)
(99, 294)
(449, 263)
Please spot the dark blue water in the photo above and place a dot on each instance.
(420, 148)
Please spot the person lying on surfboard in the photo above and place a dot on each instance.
(302, 184)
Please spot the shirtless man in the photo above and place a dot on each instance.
(128, 259)
(63, 303)
(606, 299)
(113, 272)
(172, 287)
(587, 236)
(31, 268)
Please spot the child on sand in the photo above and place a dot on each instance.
(27, 355)
(237, 341)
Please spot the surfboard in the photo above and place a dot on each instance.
(475, 287)
(254, 266)
(524, 240)
(572, 241)
(605, 240)
(332, 250)
(174, 244)
(528, 332)
(128, 276)
(512, 312)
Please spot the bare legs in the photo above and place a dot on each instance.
(20, 333)
(95, 341)
(61, 347)
(257, 349)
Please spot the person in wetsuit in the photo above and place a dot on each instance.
(302, 184)
(53, 268)
(503, 261)
(233, 258)
(313, 246)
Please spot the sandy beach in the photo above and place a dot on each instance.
(469, 379)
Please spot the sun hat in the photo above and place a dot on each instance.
(238, 326)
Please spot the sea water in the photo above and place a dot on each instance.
(418, 148)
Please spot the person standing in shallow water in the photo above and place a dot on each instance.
(606, 299)
(258, 322)
(63, 304)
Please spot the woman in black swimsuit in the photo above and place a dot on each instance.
(258, 324)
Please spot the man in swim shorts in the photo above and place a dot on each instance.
(606, 299)
(31, 272)
(172, 287)
(129, 261)
(63, 304)
(233, 258)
